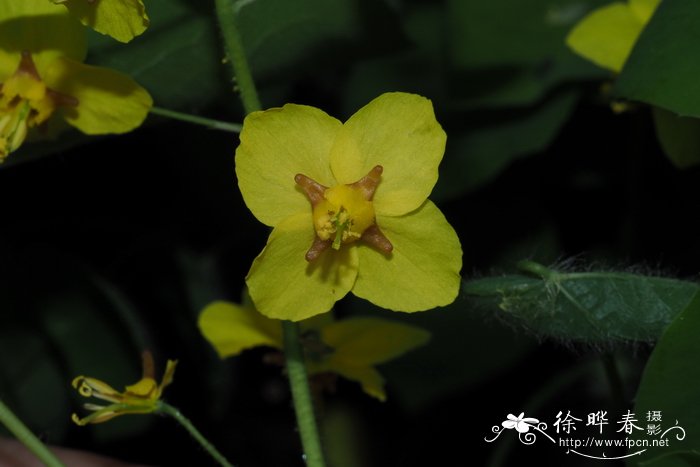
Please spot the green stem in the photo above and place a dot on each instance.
(26, 437)
(303, 406)
(208, 122)
(177, 415)
(226, 14)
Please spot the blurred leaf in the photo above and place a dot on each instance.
(282, 36)
(32, 383)
(659, 71)
(418, 69)
(679, 137)
(178, 59)
(511, 53)
(671, 384)
(58, 325)
(478, 154)
(596, 307)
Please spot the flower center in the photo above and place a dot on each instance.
(344, 213)
(25, 102)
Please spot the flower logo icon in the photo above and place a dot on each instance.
(522, 425)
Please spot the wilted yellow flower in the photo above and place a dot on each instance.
(42, 77)
(351, 347)
(121, 19)
(607, 35)
(348, 206)
(141, 397)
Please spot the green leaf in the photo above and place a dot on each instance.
(511, 53)
(671, 384)
(491, 143)
(662, 70)
(178, 59)
(679, 137)
(596, 307)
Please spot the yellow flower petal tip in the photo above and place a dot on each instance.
(350, 348)
(42, 79)
(607, 35)
(140, 397)
(121, 19)
(348, 206)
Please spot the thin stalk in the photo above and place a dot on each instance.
(184, 421)
(26, 437)
(303, 405)
(226, 15)
(197, 120)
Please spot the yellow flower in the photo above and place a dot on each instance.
(350, 348)
(348, 206)
(141, 397)
(607, 35)
(121, 19)
(42, 77)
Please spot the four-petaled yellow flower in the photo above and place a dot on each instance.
(141, 397)
(41, 76)
(348, 203)
(607, 35)
(350, 348)
(121, 19)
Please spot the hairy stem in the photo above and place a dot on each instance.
(303, 405)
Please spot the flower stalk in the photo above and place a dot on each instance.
(197, 120)
(226, 15)
(194, 432)
(303, 405)
(26, 437)
(298, 378)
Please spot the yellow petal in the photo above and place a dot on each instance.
(369, 341)
(144, 388)
(284, 285)
(232, 328)
(371, 381)
(606, 36)
(399, 132)
(167, 376)
(276, 145)
(109, 101)
(41, 28)
(644, 9)
(422, 272)
(121, 19)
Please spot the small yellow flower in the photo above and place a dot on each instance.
(42, 77)
(141, 397)
(351, 347)
(348, 203)
(121, 19)
(607, 35)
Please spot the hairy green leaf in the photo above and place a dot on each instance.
(596, 307)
